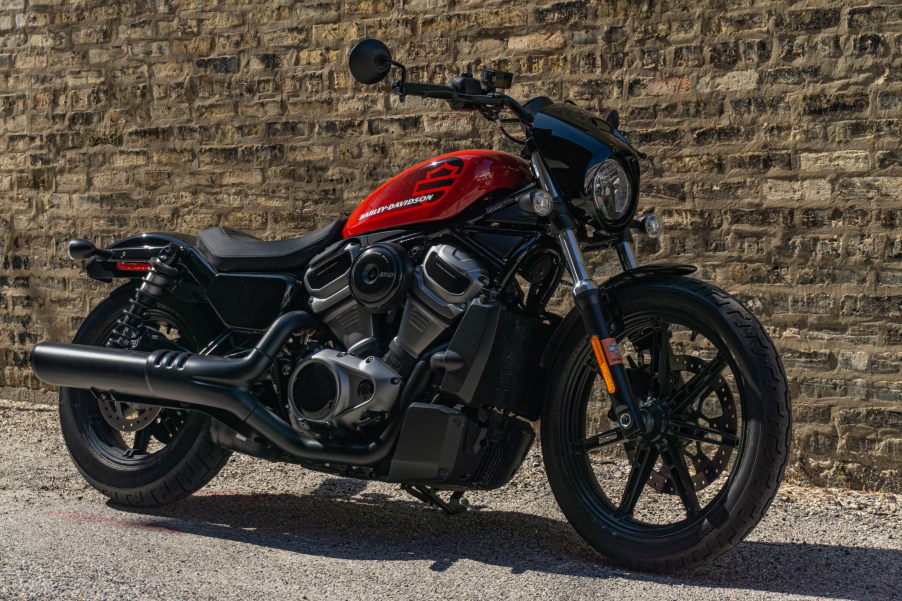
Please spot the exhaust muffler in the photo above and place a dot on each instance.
(205, 382)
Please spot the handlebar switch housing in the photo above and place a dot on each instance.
(465, 83)
(497, 80)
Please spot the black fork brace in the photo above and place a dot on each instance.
(207, 382)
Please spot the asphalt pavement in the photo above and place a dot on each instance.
(262, 530)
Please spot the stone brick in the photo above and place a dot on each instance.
(759, 105)
(723, 54)
(891, 158)
(874, 363)
(846, 102)
(871, 16)
(809, 19)
(869, 189)
(660, 86)
(731, 82)
(731, 24)
(870, 43)
(481, 20)
(537, 42)
(872, 306)
(222, 64)
(793, 75)
(844, 160)
(562, 12)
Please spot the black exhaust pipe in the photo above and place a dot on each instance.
(208, 382)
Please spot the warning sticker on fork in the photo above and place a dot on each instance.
(612, 351)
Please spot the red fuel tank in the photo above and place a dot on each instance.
(437, 189)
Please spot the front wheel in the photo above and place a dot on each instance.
(715, 403)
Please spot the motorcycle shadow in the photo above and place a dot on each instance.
(357, 525)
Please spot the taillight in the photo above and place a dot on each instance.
(123, 266)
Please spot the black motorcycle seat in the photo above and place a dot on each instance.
(232, 250)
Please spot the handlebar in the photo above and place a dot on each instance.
(443, 92)
(427, 90)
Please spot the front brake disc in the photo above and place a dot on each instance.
(715, 411)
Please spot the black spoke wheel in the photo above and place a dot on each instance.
(715, 407)
(126, 447)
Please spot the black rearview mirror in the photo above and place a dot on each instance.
(370, 61)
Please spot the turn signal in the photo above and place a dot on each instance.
(603, 365)
(651, 224)
(542, 203)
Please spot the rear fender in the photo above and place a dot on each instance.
(246, 302)
(574, 319)
(132, 253)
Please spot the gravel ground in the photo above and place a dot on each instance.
(261, 529)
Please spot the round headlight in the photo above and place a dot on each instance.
(611, 191)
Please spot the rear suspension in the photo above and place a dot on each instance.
(130, 327)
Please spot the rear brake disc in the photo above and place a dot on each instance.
(126, 417)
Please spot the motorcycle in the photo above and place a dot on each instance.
(412, 344)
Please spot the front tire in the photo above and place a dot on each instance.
(718, 412)
(167, 459)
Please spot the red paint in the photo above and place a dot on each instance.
(438, 189)
(123, 266)
(96, 520)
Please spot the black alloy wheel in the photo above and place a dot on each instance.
(714, 440)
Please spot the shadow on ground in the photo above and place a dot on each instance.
(368, 526)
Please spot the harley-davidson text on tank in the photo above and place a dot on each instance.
(430, 191)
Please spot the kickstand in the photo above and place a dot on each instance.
(456, 504)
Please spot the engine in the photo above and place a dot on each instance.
(364, 295)
(339, 390)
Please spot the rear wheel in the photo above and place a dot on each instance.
(132, 451)
(715, 403)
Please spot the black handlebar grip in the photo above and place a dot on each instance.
(424, 89)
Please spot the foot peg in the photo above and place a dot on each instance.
(456, 504)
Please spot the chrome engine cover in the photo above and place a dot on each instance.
(451, 275)
(332, 386)
(327, 280)
(445, 284)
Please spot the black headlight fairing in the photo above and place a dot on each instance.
(573, 140)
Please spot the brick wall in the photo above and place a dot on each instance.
(773, 133)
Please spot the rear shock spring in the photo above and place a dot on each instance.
(130, 326)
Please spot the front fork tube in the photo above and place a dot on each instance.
(601, 323)
(593, 306)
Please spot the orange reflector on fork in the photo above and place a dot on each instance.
(603, 365)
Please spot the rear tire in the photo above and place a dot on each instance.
(188, 458)
(665, 526)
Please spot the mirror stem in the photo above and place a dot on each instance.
(401, 86)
